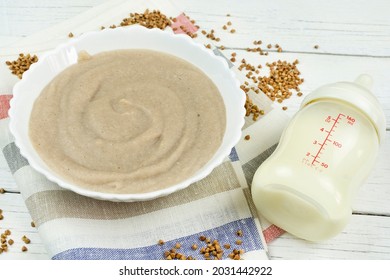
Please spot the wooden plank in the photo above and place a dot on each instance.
(22, 18)
(338, 27)
(373, 196)
(365, 237)
(318, 70)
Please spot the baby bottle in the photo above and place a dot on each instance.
(326, 152)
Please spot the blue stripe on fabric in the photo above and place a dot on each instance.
(225, 234)
(233, 156)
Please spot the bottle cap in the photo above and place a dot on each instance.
(357, 94)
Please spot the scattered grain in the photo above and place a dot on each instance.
(251, 109)
(184, 28)
(70, 35)
(1, 189)
(26, 240)
(24, 249)
(211, 35)
(247, 137)
(161, 242)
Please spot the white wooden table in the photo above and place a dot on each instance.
(353, 37)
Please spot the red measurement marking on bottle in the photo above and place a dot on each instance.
(327, 139)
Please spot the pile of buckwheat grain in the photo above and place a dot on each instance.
(209, 249)
(21, 64)
(149, 19)
(281, 82)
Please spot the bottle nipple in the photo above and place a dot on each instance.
(365, 81)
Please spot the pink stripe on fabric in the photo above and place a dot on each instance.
(183, 21)
(272, 232)
(4, 105)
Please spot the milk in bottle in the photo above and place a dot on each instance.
(326, 152)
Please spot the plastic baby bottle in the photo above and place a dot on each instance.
(326, 152)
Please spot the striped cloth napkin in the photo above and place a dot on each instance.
(76, 227)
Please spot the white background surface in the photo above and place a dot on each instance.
(353, 38)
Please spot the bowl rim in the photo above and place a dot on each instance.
(215, 161)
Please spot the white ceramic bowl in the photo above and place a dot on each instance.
(133, 37)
